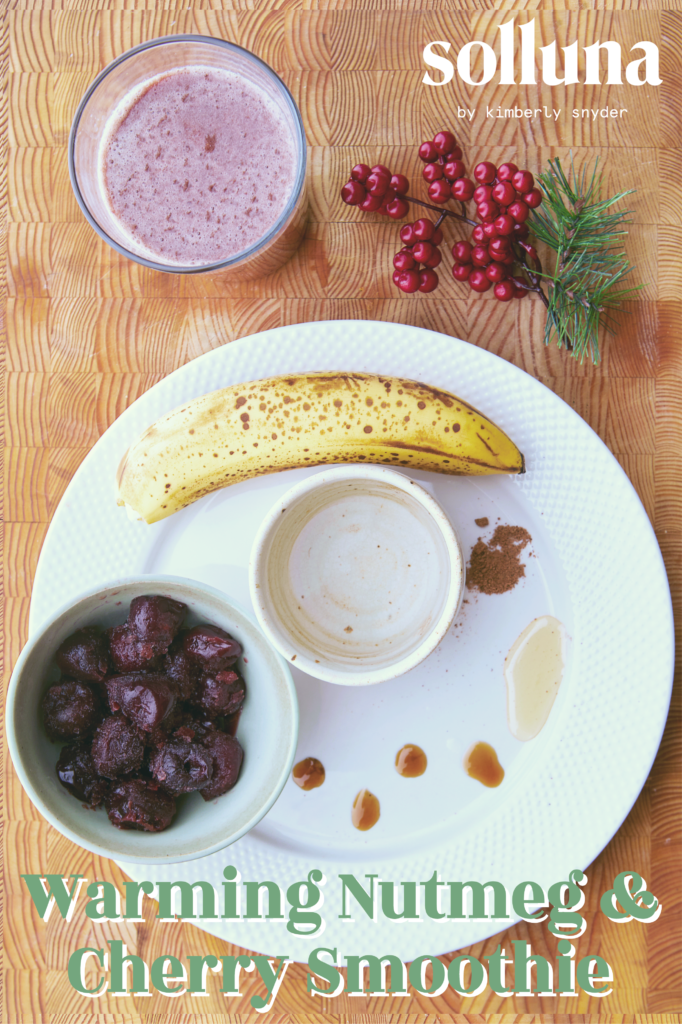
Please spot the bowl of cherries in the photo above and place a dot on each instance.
(150, 720)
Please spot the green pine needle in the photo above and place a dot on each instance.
(590, 265)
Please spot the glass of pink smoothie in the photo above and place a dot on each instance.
(187, 154)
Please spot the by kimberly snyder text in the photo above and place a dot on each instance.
(513, 970)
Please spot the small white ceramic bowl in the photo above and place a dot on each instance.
(356, 575)
(268, 729)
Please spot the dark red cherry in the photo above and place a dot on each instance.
(487, 210)
(495, 272)
(454, 169)
(480, 257)
(400, 183)
(370, 204)
(407, 235)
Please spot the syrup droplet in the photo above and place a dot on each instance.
(480, 762)
(410, 761)
(366, 810)
(308, 773)
(533, 671)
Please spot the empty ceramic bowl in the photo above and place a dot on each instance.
(356, 575)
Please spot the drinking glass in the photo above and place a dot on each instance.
(90, 133)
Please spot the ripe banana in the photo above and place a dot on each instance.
(305, 419)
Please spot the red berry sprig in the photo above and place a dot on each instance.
(504, 197)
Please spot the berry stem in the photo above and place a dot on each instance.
(439, 210)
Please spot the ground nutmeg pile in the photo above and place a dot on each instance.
(495, 567)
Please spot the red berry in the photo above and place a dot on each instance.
(444, 142)
(500, 248)
(463, 190)
(521, 292)
(490, 231)
(504, 193)
(428, 152)
(407, 234)
(428, 280)
(533, 198)
(423, 251)
(523, 181)
(480, 257)
(505, 291)
(380, 169)
(408, 281)
(403, 261)
(495, 272)
(432, 172)
(483, 193)
(437, 236)
(360, 172)
(454, 154)
(400, 184)
(353, 193)
(435, 260)
(485, 172)
(398, 208)
(440, 191)
(504, 224)
(461, 271)
(505, 172)
(479, 282)
(519, 211)
(510, 260)
(396, 277)
(462, 252)
(487, 210)
(478, 234)
(521, 232)
(423, 229)
(377, 183)
(371, 203)
(454, 169)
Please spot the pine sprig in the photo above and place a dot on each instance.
(590, 265)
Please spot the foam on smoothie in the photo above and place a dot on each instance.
(199, 166)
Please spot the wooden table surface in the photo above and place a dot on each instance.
(87, 332)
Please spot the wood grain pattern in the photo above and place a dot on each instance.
(86, 332)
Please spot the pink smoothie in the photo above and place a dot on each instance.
(200, 167)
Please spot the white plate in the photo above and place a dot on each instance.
(594, 564)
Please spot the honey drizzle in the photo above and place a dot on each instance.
(308, 773)
(480, 762)
(410, 761)
(366, 810)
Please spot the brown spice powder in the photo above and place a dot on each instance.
(482, 522)
(495, 568)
